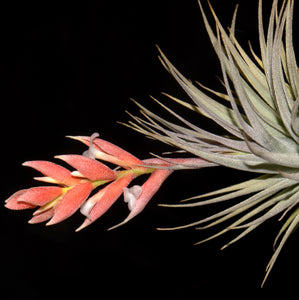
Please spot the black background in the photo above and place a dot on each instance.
(70, 69)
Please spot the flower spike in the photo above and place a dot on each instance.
(72, 190)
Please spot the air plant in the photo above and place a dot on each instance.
(259, 113)
(260, 118)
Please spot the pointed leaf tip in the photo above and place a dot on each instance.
(40, 195)
(42, 217)
(52, 170)
(13, 203)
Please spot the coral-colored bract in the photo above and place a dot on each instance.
(73, 188)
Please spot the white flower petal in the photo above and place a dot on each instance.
(91, 152)
(86, 208)
(131, 195)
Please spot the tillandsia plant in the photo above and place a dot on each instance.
(259, 113)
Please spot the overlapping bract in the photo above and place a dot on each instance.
(260, 118)
(73, 189)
